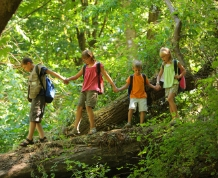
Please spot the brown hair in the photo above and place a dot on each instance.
(87, 53)
(26, 60)
(137, 64)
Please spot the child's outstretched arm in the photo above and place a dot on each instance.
(158, 78)
(123, 87)
(66, 81)
(182, 69)
(54, 74)
(108, 78)
(150, 85)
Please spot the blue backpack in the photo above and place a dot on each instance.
(131, 84)
(49, 90)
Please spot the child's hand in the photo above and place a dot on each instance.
(157, 87)
(115, 89)
(66, 81)
(177, 77)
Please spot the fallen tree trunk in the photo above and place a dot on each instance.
(117, 150)
(112, 148)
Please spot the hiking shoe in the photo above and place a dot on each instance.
(27, 142)
(92, 131)
(128, 125)
(43, 140)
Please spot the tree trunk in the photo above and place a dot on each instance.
(7, 9)
(176, 34)
(130, 34)
(152, 18)
(114, 148)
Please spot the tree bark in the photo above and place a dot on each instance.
(152, 18)
(112, 148)
(177, 31)
(130, 34)
(7, 9)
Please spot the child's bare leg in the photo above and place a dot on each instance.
(172, 105)
(142, 117)
(130, 113)
(32, 127)
(78, 117)
(40, 130)
(91, 116)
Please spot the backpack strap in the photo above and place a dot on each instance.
(98, 68)
(144, 76)
(130, 85)
(84, 70)
(99, 72)
(175, 66)
(131, 80)
(37, 72)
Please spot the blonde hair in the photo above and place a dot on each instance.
(137, 64)
(165, 50)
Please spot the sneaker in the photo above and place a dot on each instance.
(92, 131)
(128, 125)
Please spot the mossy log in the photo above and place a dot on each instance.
(113, 148)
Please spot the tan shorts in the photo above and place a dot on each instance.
(173, 89)
(37, 109)
(88, 98)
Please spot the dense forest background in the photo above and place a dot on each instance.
(117, 31)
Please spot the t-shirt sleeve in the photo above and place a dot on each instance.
(128, 80)
(43, 70)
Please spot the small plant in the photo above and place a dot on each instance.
(81, 170)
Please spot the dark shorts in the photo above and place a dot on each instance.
(37, 109)
(88, 98)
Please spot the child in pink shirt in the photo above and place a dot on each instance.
(90, 89)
